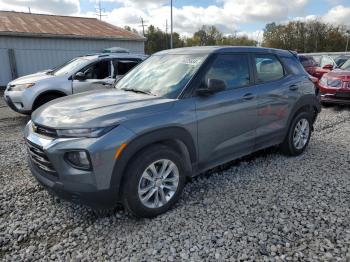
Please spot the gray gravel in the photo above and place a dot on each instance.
(264, 207)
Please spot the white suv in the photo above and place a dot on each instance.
(85, 73)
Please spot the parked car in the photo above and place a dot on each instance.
(85, 73)
(340, 60)
(179, 113)
(312, 67)
(335, 86)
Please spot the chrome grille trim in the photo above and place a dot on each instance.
(39, 158)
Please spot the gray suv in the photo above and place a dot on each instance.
(179, 113)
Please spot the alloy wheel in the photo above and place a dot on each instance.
(301, 133)
(158, 183)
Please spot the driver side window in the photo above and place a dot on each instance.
(99, 70)
(230, 68)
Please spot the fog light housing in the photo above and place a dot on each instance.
(79, 159)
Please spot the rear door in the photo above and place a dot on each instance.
(98, 76)
(277, 92)
(227, 120)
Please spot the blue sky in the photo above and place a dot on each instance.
(231, 16)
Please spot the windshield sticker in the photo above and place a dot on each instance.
(192, 61)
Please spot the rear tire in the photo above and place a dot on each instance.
(44, 99)
(158, 173)
(298, 136)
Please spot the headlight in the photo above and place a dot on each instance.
(79, 159)
(20, 87)
(84, 132)
(334, 83)
(323, 80)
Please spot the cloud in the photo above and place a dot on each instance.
(227, 15)
(338, 15)
(61, 7)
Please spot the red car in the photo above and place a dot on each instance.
(334, 87)
(312, 67)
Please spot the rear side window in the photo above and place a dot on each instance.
(268, 68)
(293, 65)
(232, 69)
(307, 61)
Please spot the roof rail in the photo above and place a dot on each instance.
(294, 53)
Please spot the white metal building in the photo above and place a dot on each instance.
(34, 42)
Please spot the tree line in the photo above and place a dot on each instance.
(307, 36)
(158, 40)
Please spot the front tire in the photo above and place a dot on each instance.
(153, 182)
(298, 136)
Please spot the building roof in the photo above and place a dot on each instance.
(40, 25)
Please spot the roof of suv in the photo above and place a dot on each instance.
(224, 49)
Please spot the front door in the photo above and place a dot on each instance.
(227, 120)
(97, 76)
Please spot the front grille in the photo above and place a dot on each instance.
(45, 131)
(39, 158)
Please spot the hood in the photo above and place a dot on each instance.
(98, 109)
(339, 74)
(33, 78)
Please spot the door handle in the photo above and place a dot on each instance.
(293, 87)
(248, 96)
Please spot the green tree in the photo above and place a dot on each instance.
(310, 36)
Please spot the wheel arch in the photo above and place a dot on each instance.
(177, 138)
(45, 93)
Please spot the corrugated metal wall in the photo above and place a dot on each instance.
(35, 54)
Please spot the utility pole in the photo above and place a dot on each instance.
(99, 10)
(347, 41)
(166, 34)
(143, 26)
(171, 24)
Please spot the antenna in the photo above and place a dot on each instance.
(100, 10)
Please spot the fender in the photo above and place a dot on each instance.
(169, 133)
(311, 101)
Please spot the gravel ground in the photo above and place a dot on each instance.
(264, 207)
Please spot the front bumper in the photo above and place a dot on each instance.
(15, 102)
(94, 187)
(337, 98)
(78, 193)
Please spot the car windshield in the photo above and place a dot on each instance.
(71, 67)
(346, 65)
(162, 75)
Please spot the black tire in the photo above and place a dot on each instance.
(44, 99)
(133, 174)
(325, 104)
(287, 147)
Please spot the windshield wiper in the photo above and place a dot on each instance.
(137, 91)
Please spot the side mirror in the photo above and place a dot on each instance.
(213, 86)
(328, 67)
(80, 76)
